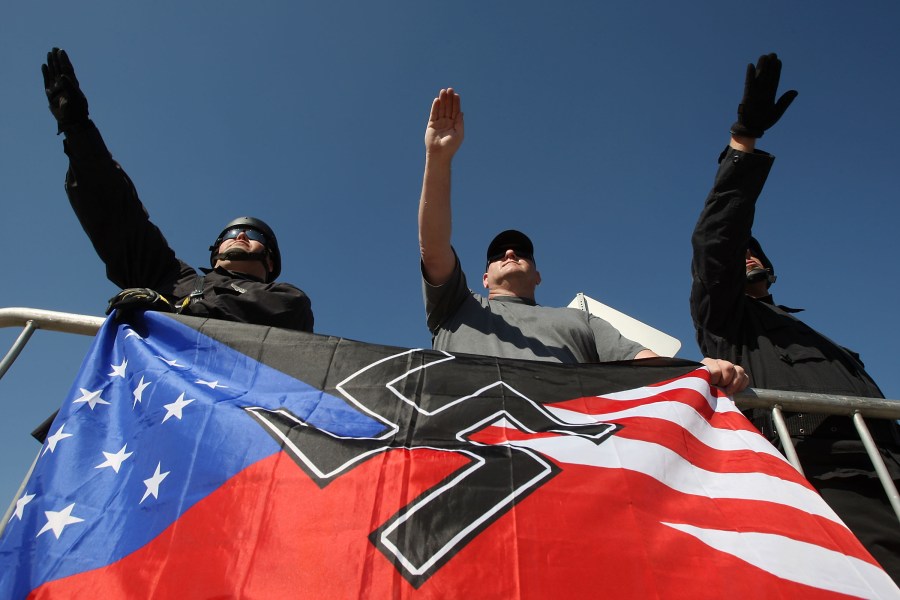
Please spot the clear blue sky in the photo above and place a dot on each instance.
(592, 126)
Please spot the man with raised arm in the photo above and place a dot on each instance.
(507, 323)
(244, 258)
(736, 319)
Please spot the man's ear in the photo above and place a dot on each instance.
(484, 279)
(538, 278)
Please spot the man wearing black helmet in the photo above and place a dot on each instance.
(736, 319)
(244, 258)
(508, 323)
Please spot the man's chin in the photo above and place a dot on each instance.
(236, 254)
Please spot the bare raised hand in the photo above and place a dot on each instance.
(445, 131)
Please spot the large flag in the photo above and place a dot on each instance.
(202, 459)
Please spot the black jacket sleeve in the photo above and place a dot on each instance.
(106, 203)
(720, 242)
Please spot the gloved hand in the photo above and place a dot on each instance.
(758, 109)
(67, 103)
(139, 298)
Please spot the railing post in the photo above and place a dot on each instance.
(880, 468)
(17, 347)
(789, 451)
(9, 511)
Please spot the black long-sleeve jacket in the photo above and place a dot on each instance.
(778, 350)
(137, 254)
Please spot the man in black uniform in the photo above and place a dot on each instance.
(245, 258)
(737, 320)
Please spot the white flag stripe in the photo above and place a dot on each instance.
(801, 562)
(694, 384)
(675, 472)
(683, 415)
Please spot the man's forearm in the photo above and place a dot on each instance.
(435, 221)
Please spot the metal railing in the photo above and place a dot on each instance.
(854, 407)
(31, 319)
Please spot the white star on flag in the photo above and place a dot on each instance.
(92, 398)
(174, 409)
(139, 391)
(114, 460)
(133, 333)
(153, 483)
(57, 520)
(20, 506)
(119, 370)
(171, 363)
(211, 384)
(55, 439)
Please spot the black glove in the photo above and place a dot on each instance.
(141, 299)
(758, 109)
(67, 103)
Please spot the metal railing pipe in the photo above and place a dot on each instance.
(878, 462)
(781, 427)
(17, 347)
(831, 404)
(50, 320)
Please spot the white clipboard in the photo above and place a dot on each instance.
(654, 339)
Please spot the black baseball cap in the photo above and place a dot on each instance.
(510, 238)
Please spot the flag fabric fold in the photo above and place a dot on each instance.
(197, 458)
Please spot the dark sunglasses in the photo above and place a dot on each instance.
(252, 234)
(498, 255)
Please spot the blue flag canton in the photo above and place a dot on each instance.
(151, 426)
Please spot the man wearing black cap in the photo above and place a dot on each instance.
(736, 319)
(508, 323)
(244, 258)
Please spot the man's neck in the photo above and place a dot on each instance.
(249, 269)
(757, 289)
(505, 293)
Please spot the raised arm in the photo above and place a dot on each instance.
(724, 227)
(443, 137)
(103, 197)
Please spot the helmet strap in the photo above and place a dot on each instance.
(755, 275)
(237, 254)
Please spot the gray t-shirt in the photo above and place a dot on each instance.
(510, 327)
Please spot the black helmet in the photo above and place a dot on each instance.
(257, 225)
